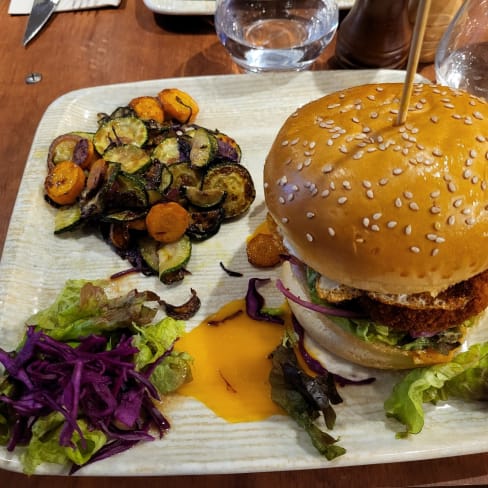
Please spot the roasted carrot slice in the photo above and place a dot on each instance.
(178, 105)
(147, 108)
(65, 182)
(167, 222)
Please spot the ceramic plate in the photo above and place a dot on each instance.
(200, 7)
(35, 265)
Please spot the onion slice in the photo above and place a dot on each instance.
(336, 312)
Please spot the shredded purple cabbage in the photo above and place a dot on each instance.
(255, 302)
(337, 312)
(94, 380)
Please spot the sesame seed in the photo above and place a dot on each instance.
(413, 206)
(294, 141)
(437, 152)
(307, 162)
(467, 173)
(375, 228)
(435, 194)
(284, 143)
(281, 200)
(398, 202)
(408, 230)
(392, 224)
(309, 237)
(374, 115)
(366, 222)
(434, 119)
(366, 184)
(370, 194)
(478, 115)
(415, 249)
(383, 181)
(431, 237)
(397, 171)
(470, 221)
(343, 149)
(331, 231)
(346, 184)
(457, 203)
(330, 142)
(285, 220)
(327, 168)
(325, 193)
(452, 187)
(342, 200)
(358, 155)
(434, 252)
(290, 197)
(408, 194)
(310, 215)
(377, 216)
(440, 240)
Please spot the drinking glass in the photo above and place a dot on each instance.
(462, 55)
(275, 35)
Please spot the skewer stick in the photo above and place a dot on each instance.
(413, 58)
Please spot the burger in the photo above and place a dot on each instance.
(386, 224)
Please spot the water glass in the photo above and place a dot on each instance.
(275, 35)
(462, 54)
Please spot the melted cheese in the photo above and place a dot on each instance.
(231, 364)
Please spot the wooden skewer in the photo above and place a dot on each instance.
(413, 58)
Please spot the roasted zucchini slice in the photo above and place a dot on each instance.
(204, 199)
(204, 224)
(148, 248)
(184, 175)
(173, 256)
(62, 149)
(203, 148)
(236, 181)
(127, 192)
(167, 151)
(124, 216)
(67, 218)
(118, 131)
(131, 158)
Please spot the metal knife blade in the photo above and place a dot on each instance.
(40, 13)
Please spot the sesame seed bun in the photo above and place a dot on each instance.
(380, 207)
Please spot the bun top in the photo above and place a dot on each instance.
(379, 206)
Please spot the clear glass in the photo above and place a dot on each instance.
(462, 54)
(275, 35)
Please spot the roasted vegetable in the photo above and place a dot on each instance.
(65, 182)
(147, 108)
(150, 180)
(167, 222)
(178, 105)
(237, 182)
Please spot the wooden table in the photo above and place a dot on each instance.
(96, 47)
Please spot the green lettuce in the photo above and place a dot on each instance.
(44, 446)
(465, 377)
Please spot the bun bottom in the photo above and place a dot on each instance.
(334, 339)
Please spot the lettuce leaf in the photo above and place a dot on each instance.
(304, 398)
(464, 377)
(83, 308)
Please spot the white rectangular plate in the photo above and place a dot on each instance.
(200, 7)
(35, 265)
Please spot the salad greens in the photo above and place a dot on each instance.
(304, 398)
(82, 384)
(465, 377)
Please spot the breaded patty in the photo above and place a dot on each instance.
(466, 299)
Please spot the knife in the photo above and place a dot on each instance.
(40, 13)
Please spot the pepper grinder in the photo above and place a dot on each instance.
(374, 34)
